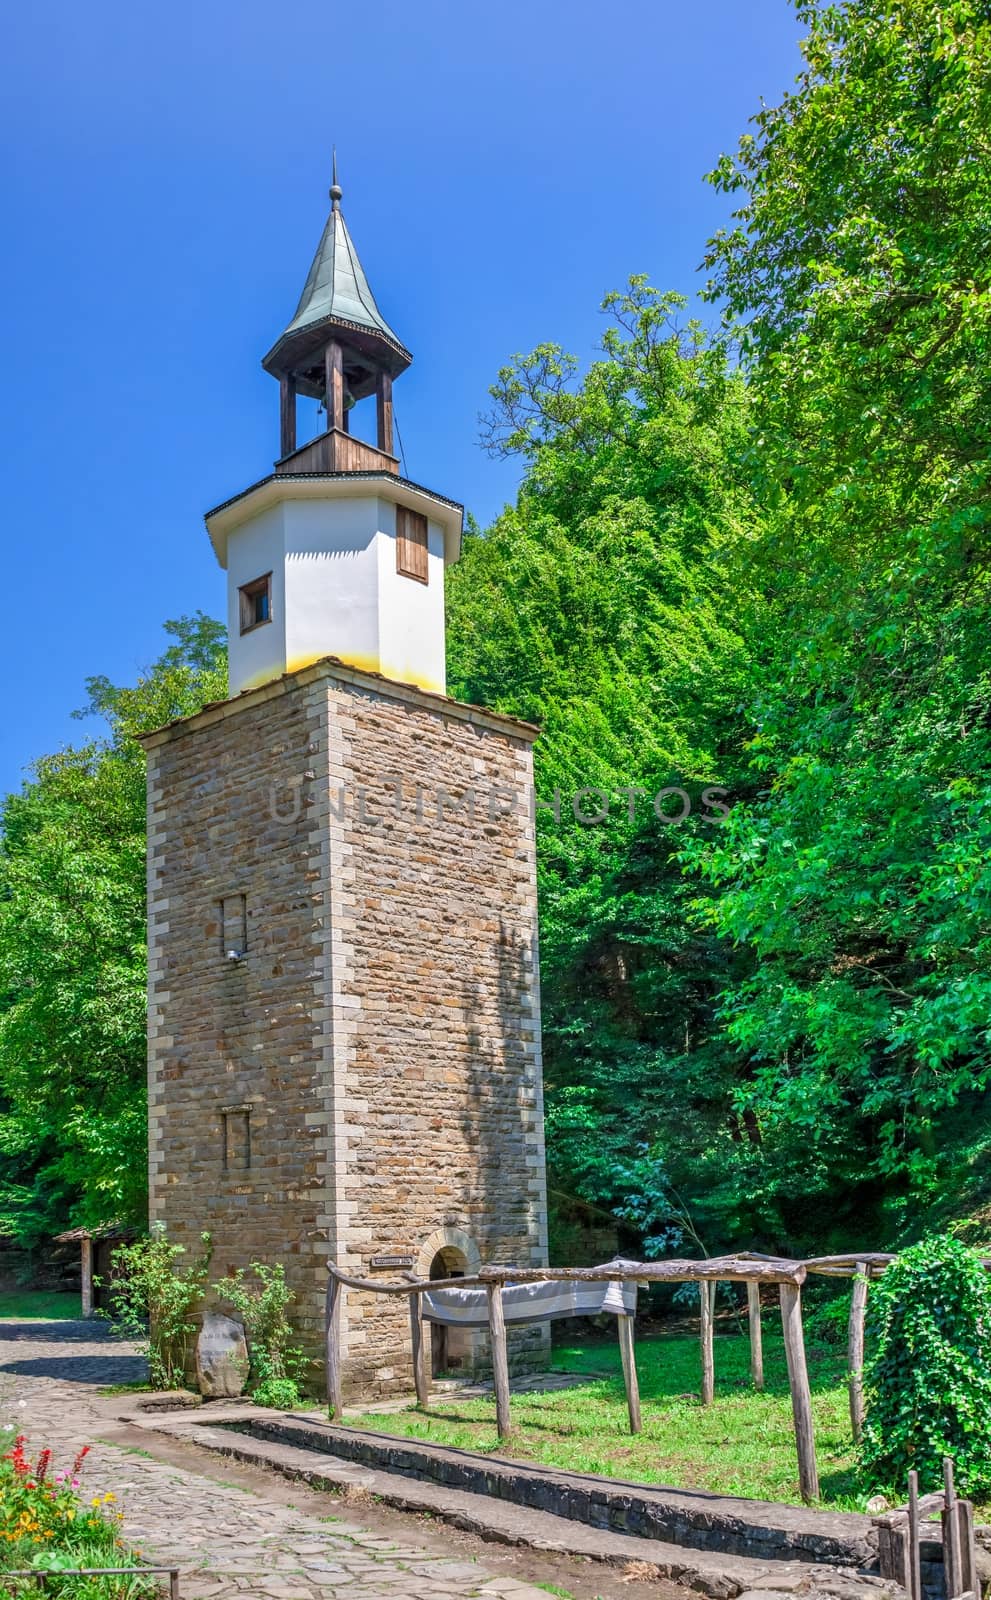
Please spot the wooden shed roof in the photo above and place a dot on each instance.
(110, 1230)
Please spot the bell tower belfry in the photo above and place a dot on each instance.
(338, 348)
(343, 994)
(336, 554)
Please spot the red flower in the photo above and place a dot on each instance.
(77, 1464)
(42, 1468)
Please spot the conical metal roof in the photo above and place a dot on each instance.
(336, 295)
(336, 287)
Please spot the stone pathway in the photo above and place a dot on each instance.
(229, 1541)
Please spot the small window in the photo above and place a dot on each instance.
(235, 1124)
(233, 917)
(411, 544)
(256, 603)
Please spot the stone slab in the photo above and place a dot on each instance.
(221, 1357)
(169, 1400)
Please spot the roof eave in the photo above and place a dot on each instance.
(297, 344)
(231, 514)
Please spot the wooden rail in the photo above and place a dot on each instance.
(42, 1576)
(718, 1269)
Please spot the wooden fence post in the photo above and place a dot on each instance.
(707, 1301)
(420, 1378)
(970, 1582)
(624, 1326)
(332, 1329)
(801, 1397)
(914, 1560)
(756, 1337)
(952, 1564)
(86, 1284)
(500, 1358)
(855, 1351)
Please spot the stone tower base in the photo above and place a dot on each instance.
(344, 1029)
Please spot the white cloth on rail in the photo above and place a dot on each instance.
(546, 1301)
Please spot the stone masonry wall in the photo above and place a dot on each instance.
(435, 983)
(378, 1043)
(234, 1074)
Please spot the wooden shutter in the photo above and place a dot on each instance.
(411, 544)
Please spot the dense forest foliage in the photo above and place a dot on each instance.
(72, 956)
(748, 566)
(778, 579)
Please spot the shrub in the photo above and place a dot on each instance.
(276, 1362)
(282, 1394)
(830, 1323)
(46, 1526)
(155, 1303)
(928, 1381)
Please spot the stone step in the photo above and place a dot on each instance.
(720, 1575)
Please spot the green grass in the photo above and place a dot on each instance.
(37, 1305)
(743, 1444)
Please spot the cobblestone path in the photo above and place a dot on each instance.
(229, 1541)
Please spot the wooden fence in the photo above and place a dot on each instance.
(787, 1276)
(861, 1268)
(901, 1534)
(40, 1577)
(747, 1267)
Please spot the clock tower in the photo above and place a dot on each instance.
(344, 1019)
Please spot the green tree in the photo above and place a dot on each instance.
(856, 284)
(72, 955)
(603, 605)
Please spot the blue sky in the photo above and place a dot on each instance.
(503, 167)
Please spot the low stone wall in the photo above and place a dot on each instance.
(692, 1518)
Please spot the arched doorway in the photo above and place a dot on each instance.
(448, 1346)
(446, 1253)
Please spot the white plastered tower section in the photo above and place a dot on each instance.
(328, 549)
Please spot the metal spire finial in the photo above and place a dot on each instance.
(335, 189)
